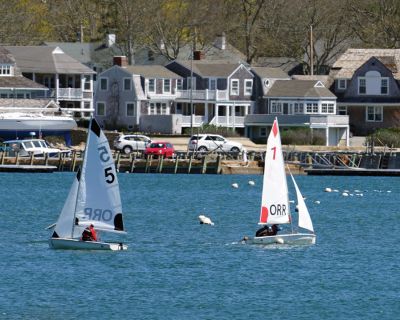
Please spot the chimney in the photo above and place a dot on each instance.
(198, 55)
(220, 42)
(110, 40)
(121, 61)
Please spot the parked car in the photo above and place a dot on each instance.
(213, 142)
(160, 148)
(131, 142)
(25, 147)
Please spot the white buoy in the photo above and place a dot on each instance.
(291, 201)
(252, 183)
(205, 220)
(389, 191)
(345, 194)
(317, 202)
(335, 190)
(328, 190)
(279, 241)
(235, 185)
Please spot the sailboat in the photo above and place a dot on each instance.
(93, 199)
(275, 206)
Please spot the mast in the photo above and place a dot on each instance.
(80, 176)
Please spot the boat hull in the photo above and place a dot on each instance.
(287, 239)
(76, 244)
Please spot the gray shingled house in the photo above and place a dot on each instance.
(137, 98)
(69, 81)
(298, 103)
(366, 82)
(221, 95)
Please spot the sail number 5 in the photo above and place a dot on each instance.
(105, 157)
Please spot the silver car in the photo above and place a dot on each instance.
(213, 142)
(131, 142)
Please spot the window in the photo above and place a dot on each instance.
(234, 87)
(263, 132)
(276, 107)
(189, 83)
(212, 84)
(130, 109)
(179, 84)
(5, 69)
(127, 84)
(87, 85)
(101, 109)
(103, 84)
(327, 108)
(362, 86)
(342, 110)
(374, 114)
(167, 86)
(312, 107)
(158, 108)
(152, 85)
(248, 87)
(298, 108)
(342, 84)
(384, 86)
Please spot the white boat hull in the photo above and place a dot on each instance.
(76, 244)
(291, 239)
(48, 123)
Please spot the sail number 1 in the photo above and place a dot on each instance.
(273, 157)
(105, 157)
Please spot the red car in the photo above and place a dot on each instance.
(160, 148)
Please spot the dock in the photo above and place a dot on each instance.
(353, 172)
(27, 168)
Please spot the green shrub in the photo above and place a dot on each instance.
(302, 136)
(385, 137)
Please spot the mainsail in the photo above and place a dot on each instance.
(274, 202)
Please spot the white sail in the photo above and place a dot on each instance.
(64, 226)
(274, 201)
(99, 201)
(304, 216)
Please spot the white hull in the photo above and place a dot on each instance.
(40, 123)
(75, 244)
(291, 239)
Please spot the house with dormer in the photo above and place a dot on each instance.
(70, 83)
(366, 83)
(213, 92)
(297, 103)
(136, 97)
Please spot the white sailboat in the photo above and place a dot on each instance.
(275, 206)
(93, 199)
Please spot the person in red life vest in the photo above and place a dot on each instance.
(89, 234)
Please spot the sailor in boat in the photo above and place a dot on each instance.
(267, 231)
(89, 234)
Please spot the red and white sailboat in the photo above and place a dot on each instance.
(275, 207)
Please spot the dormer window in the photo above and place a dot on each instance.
(5, 70)
(342, 84)
(152, 85)
(167, 86)
(362, 87)
(384, 86)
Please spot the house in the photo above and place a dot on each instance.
(366, 83)
(216, 93)
(137, 97)
(69, 81)
(298, 103)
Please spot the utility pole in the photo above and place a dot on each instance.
(311, 51)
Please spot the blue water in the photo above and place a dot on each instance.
(176, 268)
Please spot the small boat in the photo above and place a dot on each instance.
(275, 206)
(93, 199)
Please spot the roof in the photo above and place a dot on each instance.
(271, 73)
(20, 82)
(326, 80)
(206, 68)
(43, 59)
(89, 53)
(152, 71)
(299, 88)
(288, 65)
(28, 103)
(353, 59)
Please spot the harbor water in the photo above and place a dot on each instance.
(176, 268)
